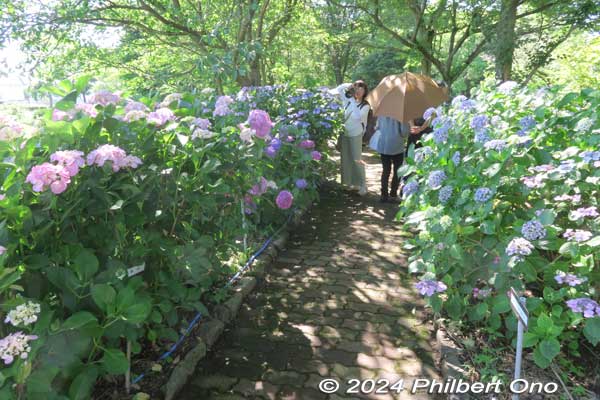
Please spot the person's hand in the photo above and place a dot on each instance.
(414, 130)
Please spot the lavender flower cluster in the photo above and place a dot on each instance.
(533, 230)
(519, 247)
(483, 194)
(429, 287)
(588, 307)
(436, 178)
(569, 279)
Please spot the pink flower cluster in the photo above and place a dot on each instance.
(46, 175)
(161, 116)
(284, 199)
(57, 176)
(260, 121)
(105, 98)
(114, 154)
(14, 346)
(135, 106)
(222, 106)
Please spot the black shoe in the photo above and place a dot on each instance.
(394, 199)
(383, 199)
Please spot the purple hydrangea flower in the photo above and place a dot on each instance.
(222, 106)
(566, 166)
(569, 279)
(423, 153)
(276, 143)
(532, 182)
(436, 178)
(301, 183)
(201, 123)
(468, 105)
(577, 235)
(583, 212)
(519, 247)
(260, 121)
(271, 151)
(445, 194)
(284, 200)
(483, 194)
(588, 307)
(429, 287)
(533, 230)
(458, 100)
(481, 136)
(527, 122)
(440, 135)
(589, 156)
(410, 188)
(481, 293)
(315, 155)
(307, 144)
(576, 198)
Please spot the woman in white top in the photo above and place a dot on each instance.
(356, 112)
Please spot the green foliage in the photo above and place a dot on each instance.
(126, 250)
(533, 150)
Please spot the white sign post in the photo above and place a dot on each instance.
(519, 308)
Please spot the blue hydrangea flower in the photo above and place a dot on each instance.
(276, 143)
(527, 122)
(428, 113)
(445, 194)
(423, 153)
(496, 144)
(483, 194)
(468, 105)
(566, 166)
(456, 158)
(570, 279)
(271, 151)
(533, 230)
(440, 135)
(410, 188)
(481, 136)
(584, 124)
(436, 178)
(479, 122)
(589, 156)
(301, 184)
(507, 87)
(458, 100)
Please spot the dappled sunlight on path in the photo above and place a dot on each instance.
(338, 303)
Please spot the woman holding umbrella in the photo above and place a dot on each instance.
(356, 112)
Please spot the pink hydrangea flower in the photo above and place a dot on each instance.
(72, 160)
(134, 115)
(260, 188)
(260, 121)
(316, 155)
(104, 98)
(87, 108)
(56, 177)
(284, 200)
(14, 346)
(2, 197)
(201, 123)
(2, 250)
(115, 155)
(161, 116)
(222, 106)
(135, 106)
(58, 115)
(307, 144)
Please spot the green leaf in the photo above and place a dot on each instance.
(591, 331)
(540, 360)
(480, 312)
(114, 362)
(595, 242)
(82, 82)
(455, 308)
(493, 170)
(547, 217)
(82, 385)
(544, 322)
(500, 304)
(569, 248)
(138, 311)
(68, 102)
(104, 296)
(86, 265)
(456, 252)
(78, 320)
(549, 348)
(530, 339)
(488, 227)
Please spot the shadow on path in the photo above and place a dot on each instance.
(338, 303)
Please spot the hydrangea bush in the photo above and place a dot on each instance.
(118, 220)
(518, 207)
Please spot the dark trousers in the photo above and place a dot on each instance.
(388, 162)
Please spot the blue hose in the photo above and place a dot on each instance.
(198, 316)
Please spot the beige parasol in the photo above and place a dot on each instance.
(406, 96)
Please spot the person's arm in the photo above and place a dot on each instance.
(340, 90)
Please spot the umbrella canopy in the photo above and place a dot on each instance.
(405, 96)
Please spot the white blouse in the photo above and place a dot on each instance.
(355, 116)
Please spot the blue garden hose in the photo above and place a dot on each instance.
(198, 316)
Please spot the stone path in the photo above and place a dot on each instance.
(338, 304)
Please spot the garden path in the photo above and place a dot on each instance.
(338, 303)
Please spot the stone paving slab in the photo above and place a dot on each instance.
(337, 303)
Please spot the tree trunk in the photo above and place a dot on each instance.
(426, 38)
(505, 39)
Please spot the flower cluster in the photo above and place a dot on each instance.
(532, 182)
(497, 144)
(527, 123)
(576, 198)
(87, 108)
(533, 230)
(161, 116)
(519, 247)
(479, 122)
(307, 144)
(445, 194)
(24, 314)
(588, 307)
(173, 97)
(222, 106)
(429, 287)
(301, 184)
(135, 106)
(46, 175)
(456, 158)
(15, 345)
(483, 194)
(436, 178)
(507, 87)
(446, 222)
(481, 136)
(410, 188)
(584, 125)
(284, 199)
(105, 98)
(577, 235)
(260, 121)
(117, 156)
(481, 293)
(583, 212)
(273, 148)
(71, 160)
(569, 279)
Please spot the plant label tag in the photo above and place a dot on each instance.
(136, 270)
(518, 308)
